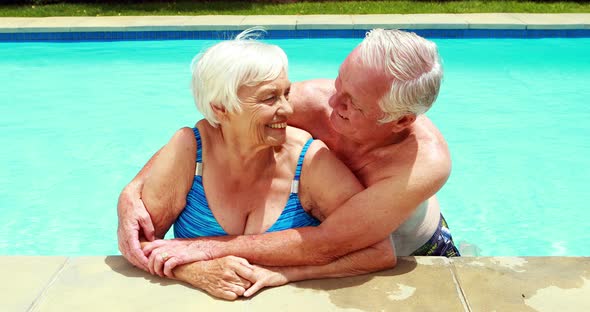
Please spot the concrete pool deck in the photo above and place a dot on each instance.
(416, 284)
(104, 283)
(296, 22)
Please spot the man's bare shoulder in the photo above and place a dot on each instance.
(310, 105)
(312, 93)
(432, 145)
(423, 156)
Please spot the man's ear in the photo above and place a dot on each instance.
(219, 111)
(404, 122)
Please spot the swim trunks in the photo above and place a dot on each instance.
(440, 244)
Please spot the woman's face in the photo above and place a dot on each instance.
(265, 109)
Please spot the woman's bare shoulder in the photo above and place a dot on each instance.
(183, 144)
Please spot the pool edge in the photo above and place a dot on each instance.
(296, 22)
(103, 283)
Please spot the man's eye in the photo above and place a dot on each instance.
(269, 99)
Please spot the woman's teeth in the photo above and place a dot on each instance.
(278, 125)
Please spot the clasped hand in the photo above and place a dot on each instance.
(165, 255)
(227, 278)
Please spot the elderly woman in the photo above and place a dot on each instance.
(242, 170)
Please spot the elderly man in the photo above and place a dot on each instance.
(371, 116)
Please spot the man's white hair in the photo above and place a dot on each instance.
(413, 65)
(222, 69)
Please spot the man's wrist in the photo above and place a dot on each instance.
(202, 250)
(291, 274)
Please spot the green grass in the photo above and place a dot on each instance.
(258, 8)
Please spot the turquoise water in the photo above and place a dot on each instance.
(78, 120)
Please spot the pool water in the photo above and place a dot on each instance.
(78, 120)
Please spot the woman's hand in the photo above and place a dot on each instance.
(165, 255)
(222, 278)
(265, 277)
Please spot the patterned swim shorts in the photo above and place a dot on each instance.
(440, 244)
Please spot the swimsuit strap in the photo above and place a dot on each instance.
(199, 167)
(295, 183)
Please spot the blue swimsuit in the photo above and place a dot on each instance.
(197, 218)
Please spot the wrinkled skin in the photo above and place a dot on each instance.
(134, 222)
(229, 277)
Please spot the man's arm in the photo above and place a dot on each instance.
(362, 221)
(134, 220)
(375, 258)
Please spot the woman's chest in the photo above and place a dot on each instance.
(250, 208)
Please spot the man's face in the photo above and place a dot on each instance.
(355, 103)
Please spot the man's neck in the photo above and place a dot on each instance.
(357, 154)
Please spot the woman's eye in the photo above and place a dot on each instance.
(270, 99)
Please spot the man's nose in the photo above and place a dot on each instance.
(336, 101)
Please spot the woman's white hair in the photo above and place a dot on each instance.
(412, 63)
(222, 69)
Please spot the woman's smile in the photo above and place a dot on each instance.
(278, 125)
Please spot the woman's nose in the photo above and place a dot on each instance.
(286, 106)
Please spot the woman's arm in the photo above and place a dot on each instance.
(221, 278)
(326, 183)
(169, 180)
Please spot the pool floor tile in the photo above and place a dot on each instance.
(24, 279)
(270, 22)
(112, 284)
(109, 283)
(416, 284)
(525, 284)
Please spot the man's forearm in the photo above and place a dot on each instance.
(354, 226)
(371, 259)
(301, 246)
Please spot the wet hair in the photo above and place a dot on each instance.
(413, 65)
(219, 71)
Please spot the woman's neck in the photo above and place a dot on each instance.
(245, 161)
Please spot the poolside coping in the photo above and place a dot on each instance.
(109, 283)
(296, 22)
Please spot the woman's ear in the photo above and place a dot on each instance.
(219, 111)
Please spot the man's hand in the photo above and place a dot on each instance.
(165, 255)
(133, 219)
